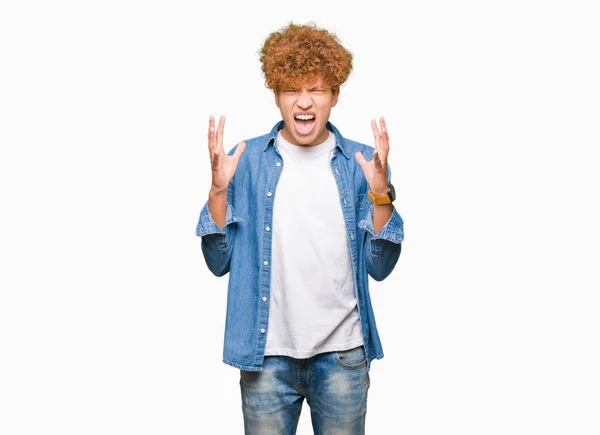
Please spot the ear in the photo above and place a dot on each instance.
(334, 98)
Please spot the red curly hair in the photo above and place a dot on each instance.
(298, 54)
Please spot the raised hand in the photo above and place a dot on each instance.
(223, 166)
(376, 169)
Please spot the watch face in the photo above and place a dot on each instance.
(392, 192)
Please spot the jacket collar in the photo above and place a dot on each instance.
(339, 139)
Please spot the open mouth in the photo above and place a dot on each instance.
(304, 123)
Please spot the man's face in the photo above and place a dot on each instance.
(306, 112)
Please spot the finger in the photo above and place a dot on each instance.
(211, 135)
(384, 148)
(380, 158)
(385, 137)
(220, 131)
(238, 151)
(216, 157)
(377, 160)
(384, 130)
(376, 134)
(360, 159)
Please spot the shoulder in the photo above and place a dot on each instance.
(253, 144)
(256, 145)
(260, 142)
(254, 148)
(351, 147)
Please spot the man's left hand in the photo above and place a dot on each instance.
(376, 169)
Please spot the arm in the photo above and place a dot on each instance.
(218, 240)
(381, 214)
(383, 224)
(217, 216)
(382, 247)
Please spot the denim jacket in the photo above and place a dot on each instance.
(243, 246)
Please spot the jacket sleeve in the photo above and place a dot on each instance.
(382, 248)
(217, 243)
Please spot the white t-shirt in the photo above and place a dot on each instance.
(312, 305)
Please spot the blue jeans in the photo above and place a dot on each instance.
(335, 385)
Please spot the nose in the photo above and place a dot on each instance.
(305, 100)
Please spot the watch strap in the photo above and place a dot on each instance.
(379, 199)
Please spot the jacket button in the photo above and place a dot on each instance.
(268, 229)
(278, 164)
(264, 299)
(269, 194)
(262, 330)
(266, 263)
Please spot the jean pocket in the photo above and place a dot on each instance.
(351, 359)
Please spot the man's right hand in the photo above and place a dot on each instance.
(223, 166)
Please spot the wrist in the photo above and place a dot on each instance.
(382, 198)
(379, 192)
(217, 193)
(379, 188)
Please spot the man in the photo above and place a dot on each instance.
(299, 218)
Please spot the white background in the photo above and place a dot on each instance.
(110, 322)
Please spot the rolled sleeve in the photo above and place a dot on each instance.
(217, 242)
(383, 248)
(206, 224)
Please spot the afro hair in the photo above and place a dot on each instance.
(297, 54)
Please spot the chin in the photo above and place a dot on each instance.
(305, 140)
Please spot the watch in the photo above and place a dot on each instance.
(388, 198)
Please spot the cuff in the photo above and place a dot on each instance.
(392, 231)
(206, 224)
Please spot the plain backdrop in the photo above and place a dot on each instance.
(111, 323)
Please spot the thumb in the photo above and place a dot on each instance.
(239, 150)
(360, 159)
